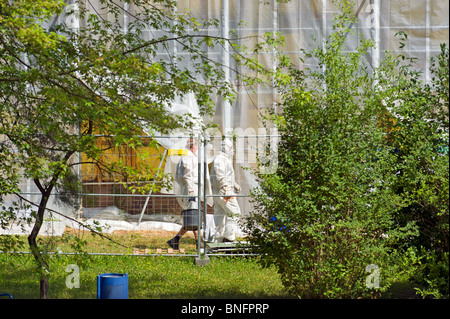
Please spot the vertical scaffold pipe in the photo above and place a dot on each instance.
(199, 206)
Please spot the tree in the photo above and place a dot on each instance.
(61, 85)
(328, 217)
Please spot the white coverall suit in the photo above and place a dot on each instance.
(226, 210)
(187, 178)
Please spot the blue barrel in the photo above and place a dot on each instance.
(112, 286)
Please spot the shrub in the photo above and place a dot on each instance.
(329, 217)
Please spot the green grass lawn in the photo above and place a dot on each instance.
(149, 277)
(152, 277)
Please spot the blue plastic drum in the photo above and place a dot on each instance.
(112, 286)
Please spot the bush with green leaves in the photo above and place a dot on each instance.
(421, 135)
(329, 216)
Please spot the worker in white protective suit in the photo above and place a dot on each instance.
(226, 208)
(187, 178)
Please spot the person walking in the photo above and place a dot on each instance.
(226, 207)
(187, 178)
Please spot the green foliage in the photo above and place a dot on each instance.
(345, 176)
(432, 274)
(421, 137)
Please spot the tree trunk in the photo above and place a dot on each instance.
(43, 286)
(41, 262)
